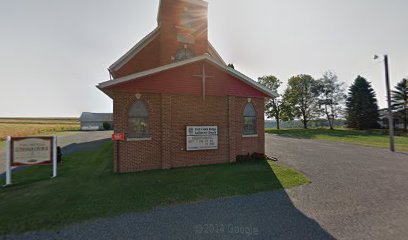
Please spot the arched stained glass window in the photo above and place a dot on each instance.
(249, 119)
(138, 121)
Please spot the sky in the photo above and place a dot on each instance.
(54, 52)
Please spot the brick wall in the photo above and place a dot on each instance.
(169, 115)
(138, 155)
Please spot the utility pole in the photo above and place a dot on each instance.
(390, 117)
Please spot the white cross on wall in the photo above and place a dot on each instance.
(203, 77)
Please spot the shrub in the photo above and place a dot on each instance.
(106, 126)
(251, 157)
(259, 156)
(243, 158)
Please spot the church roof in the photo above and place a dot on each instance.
(207, 58)
(134, 50)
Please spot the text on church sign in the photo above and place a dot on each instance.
(31, 150)
(202, 138)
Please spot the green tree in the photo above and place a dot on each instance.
(301, 98)
(332, 97)
(273, 106)
(400, 100)
(362, 108)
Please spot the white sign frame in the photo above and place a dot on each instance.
(8, 153)
(201, 138)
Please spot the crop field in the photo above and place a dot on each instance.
(18, 127)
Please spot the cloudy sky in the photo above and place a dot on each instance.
(54, 52)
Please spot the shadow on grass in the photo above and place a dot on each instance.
(88, 190)
(81, 147)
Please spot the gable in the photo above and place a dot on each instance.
(143, 56)
(181, 80)
(181, 25)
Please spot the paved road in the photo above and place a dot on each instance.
(357, 193)
(72, 142)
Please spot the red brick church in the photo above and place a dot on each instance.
(176, 100)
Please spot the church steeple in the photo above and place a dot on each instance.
(183, 29)
(182, 33)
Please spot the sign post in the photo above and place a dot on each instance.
(54, 156)
(8, 162)
(117, 137)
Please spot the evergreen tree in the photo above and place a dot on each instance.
(362, 108)
(400, 100)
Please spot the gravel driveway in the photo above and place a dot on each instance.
(356, 193)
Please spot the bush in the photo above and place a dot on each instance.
(106, 126)
(251, 157)
(243, 158)
(259, 156)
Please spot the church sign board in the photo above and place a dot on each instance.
(31, 151)
(202, 138)
(28, 151)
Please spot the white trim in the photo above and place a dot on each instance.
(250, 136)
(206, 57)
(252, 82)
(148, 72)
(158, 12)
(217, 55)
(136, 49)
(138, 139)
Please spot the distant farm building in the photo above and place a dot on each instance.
(95, 121)
(397, 117)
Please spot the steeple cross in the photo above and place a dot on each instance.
(203, 77)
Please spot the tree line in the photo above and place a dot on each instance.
(306, 99)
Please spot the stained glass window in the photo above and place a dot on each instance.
(249, 120)
(138, 121)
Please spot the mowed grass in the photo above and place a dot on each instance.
(19, 127)
(372, 138)
(86, 188)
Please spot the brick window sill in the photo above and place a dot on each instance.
(250, 136)
(138, 139)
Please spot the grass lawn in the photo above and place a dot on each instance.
(373, 138)
(86, 189)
